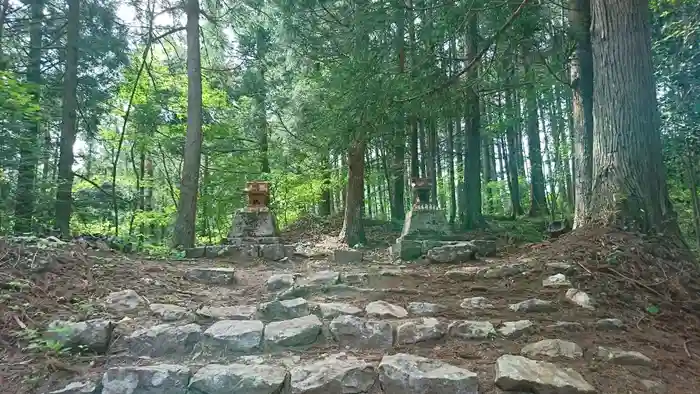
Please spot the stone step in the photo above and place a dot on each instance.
(338, 372)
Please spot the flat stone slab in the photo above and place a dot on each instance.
(211, 276)
(623, 357)
(610, 324)
(342, 256)
(123, 301)
(301, 331)
(323, 278)
(331, 310)
(356, 332)
(169, 312)
(533, 305)
(152, 379)
(515, 329)
(405, 373)
(280, 282)
(452, 253)
(233, 336)
(385, 310)
(556, 281)
(517, 373)
(465, 273)
(283, 310)
(476, 303)
(236, 312)
(425, 309)
(420, 330)
(553, 348)
(164, 339)
(240, 378)
(472, 329)
(337, 373)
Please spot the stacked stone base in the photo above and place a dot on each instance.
(260, 248)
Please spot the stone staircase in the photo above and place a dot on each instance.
(489, 328)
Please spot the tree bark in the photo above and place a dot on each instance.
(538, 202)
(629, 176)
(64, 200)
(353, 232)
(184, 234)
(472, 180)
(582, 108)
(29, 153)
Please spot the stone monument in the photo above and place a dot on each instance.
(425, 226)
(254, 230)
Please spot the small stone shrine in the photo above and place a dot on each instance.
(425, 226)
(254, 230)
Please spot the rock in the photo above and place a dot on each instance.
(452, 253)
(212, 276)
(356, 332)
(579, 298)
(234, 336)
(553, 348)
(533, 305)
(280, 282)
(610, 324)
(425, 308)
(566, 326)
(169, 312)
(301, 331)
(421, 330)
(334, 309)
(341, 256)
(237, 312)
(405, 373)
(465, 273)
(472, 329)
(79, 388)
(283, 310)
(654, 387)
(164, 339)
(517, 373)
(483, 247)
(385, 310)
(273, 252)
(323, 278)
(123, 301)
(556, 281)
(504, 271)
(355, 277)
(94, 335)
(623, 357)
(336, 373)
(240, 378)
(152, 379)
(515, 329)
(476, 303)
(559, 266)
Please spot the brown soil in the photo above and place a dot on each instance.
(628, 276)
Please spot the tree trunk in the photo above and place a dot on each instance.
(582, 108)
(64, 200)
(353, 232)
(29, 154)
(538, 202)
(399, 144)
(451, 169)
(629, 176)
(184, 234)
(324, 206)
(261, 100)
(472, 181)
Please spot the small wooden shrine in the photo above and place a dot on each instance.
(421, 190)
(258, 194)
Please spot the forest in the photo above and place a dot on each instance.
(144, 120)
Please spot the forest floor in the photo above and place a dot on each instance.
(639, 282)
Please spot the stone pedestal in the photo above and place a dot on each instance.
(425, 226)
(253, 232)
